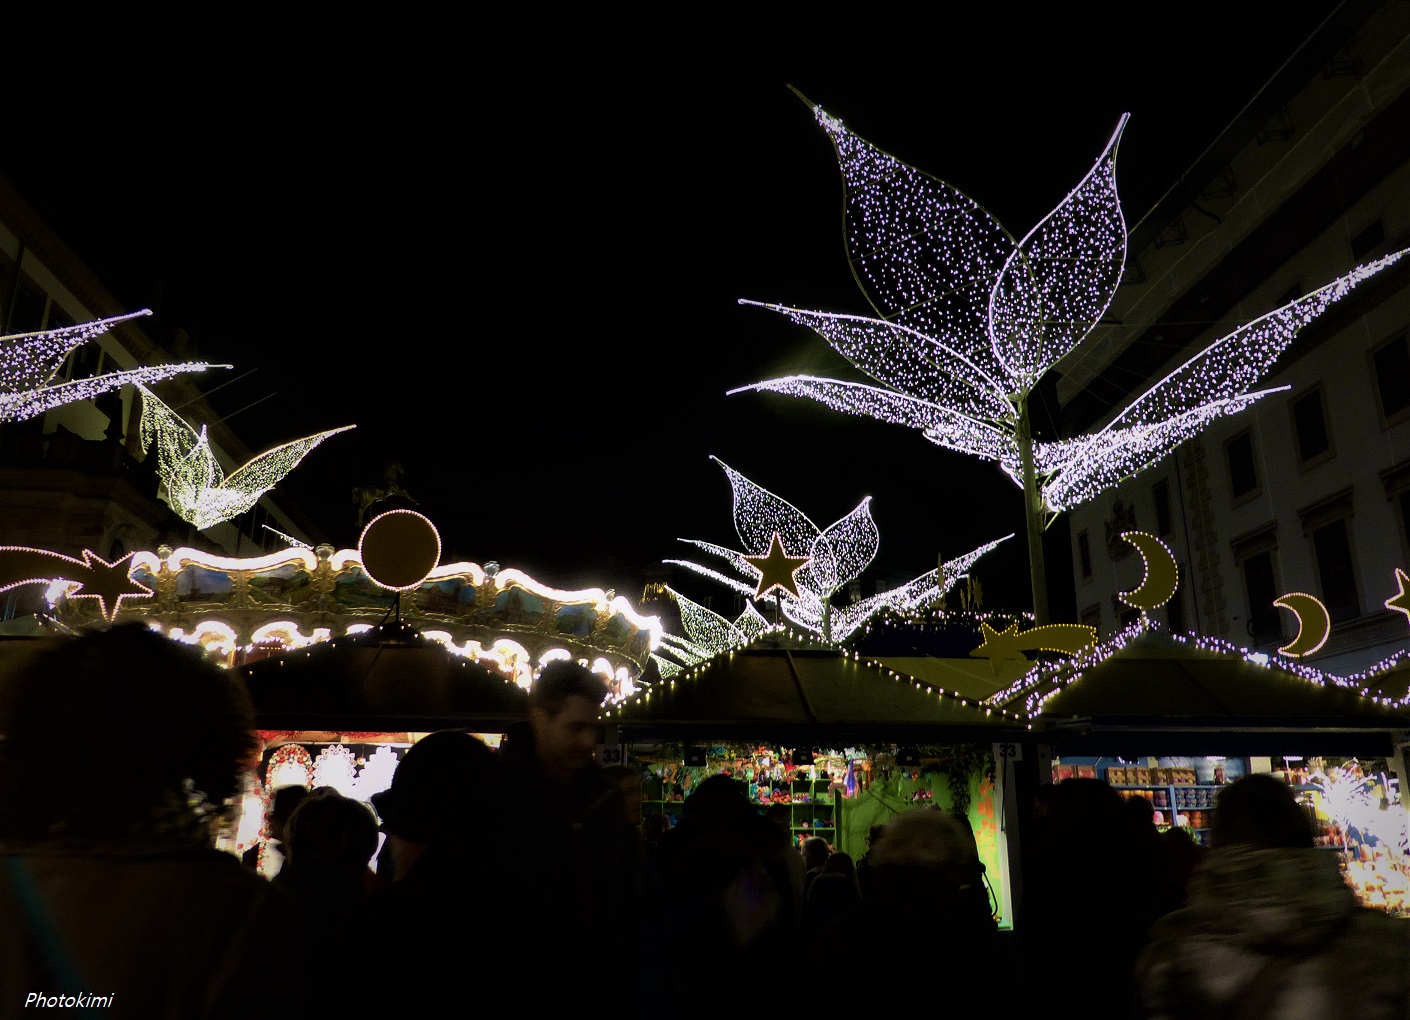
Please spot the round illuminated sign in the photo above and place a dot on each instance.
(399, 548)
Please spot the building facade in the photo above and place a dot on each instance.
(1308, 491)
(77, 478)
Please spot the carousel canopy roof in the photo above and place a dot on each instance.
(762, 690)
(387, 679)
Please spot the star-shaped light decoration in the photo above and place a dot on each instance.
(109, 583)
(768, 525)
(1010, 643)
(777, 569)
(1401, 601)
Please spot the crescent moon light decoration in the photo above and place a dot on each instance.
(1314, 623)
(1162, 575)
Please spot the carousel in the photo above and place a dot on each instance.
(350, 656)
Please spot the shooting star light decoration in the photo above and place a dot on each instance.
(30, 361)
(198, 489)
(834, 556)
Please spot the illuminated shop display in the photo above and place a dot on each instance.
(1353, 804)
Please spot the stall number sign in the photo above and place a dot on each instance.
(1009, 752)
(611, 754)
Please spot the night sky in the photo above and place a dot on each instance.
(510, 249)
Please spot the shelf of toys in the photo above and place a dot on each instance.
(838, 794)
(1353, 804)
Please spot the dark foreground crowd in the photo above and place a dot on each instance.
(520, 882)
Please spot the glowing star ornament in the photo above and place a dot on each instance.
(109, 583)
(29, 362)
(777, 569)
(969, 319)
(1401, 600)
(776, 535)
(1314, 623)
(197, 488)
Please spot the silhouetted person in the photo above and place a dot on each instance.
(109, 882)
(928, 890)
(834, 894)
(1094, 878)
(328, 841)
(1272, 930)
(567, 851)
(435, 917)
(815, 854)
(786, 862)
(281, 806)
(864, 863)
(726, 903)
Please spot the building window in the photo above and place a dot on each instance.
(1092, 616)
(1310, 428)
(1160, 496)
(27, 315)
(1397, 487)
(1368, 240)
(1391, 363)
(1243, 472)
(1327, 524)
(1336, 572)
(1084, 555)
(1175, 609)
(1255, 553)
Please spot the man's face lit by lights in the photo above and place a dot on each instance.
(564, 742)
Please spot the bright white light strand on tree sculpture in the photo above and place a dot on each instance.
(197, 488)
(969, 320)
(837, 554)
(708, 633)
(29, 362)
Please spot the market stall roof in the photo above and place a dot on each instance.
(389, 679)
(1156, 682)
(764, 690)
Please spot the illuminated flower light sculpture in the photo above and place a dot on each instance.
(969, 319)
(836, 554)
(29, 362)
(199, 491)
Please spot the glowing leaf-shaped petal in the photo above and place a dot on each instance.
(714, 575)
(907, 361)
(925, 254)
(24, 404)
(1056, 285)
(29, 360)
(1236, 362)
(706, 628)
(951, 429)
(750, 622)
(1090, 464)
(854, 541)
(759, 515)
